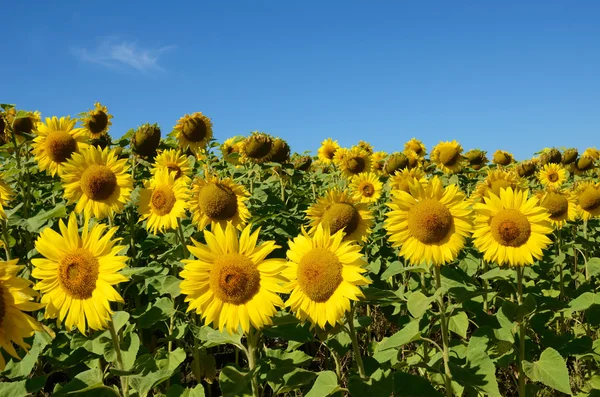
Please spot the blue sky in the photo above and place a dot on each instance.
(516, 75)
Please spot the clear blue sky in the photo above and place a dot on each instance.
(516, 75)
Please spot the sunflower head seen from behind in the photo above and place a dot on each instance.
(193, 131)
(476, 159)
(448, 156)
(96, 122)
(502, 158)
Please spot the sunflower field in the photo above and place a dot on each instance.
(177, 265)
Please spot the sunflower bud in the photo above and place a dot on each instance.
(526, 168)
(395, 162)
(476, 158)
(146, 139)
(303, 163)
(569, 156)
(257, 145)
(280, 152)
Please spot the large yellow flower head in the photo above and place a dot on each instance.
(327, 150)
(560, 204)
(339, 211)
(553, 175)
(6, 194)
(430, 224)
(395, 162)
(231, 284)
(587, 195)
(96, 122)
(511, 229)
(502, 157)
(97, 181)
(495, 181)
(231, 148)
(583, 164)
(366, 187)
(378, 161)
(193, 131)
(592, 152)
(77, 274)
(20, 122)
(325, 274)
(163, 201)
(413, 159)
(218, 201)
(366, 146)
(447, 156)
(416, 146)
(175, 162)
(256, 147)
(16, 297)
(354, 162)
(56, 141)
(401, 179)
(569, 156)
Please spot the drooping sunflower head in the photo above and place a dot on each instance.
(366, 187)
(327, 150)
(98, 181)
(96, 122)
(476, 159)
(502, 157)
(448, 156)
(354, 162)
(550, 156)
(56, 141)
(495, 181)
(339, 211)
(302, 163)
(175, 162)
(217, 201)
(231, 284)
(366, 146)
(587, 196)
(560, 204)
(325, 274)
(395, 162)
(413, 159)
(6, 194)
(552, 174)
(378, 161)
(582, 165)
(146, 139)
(592, 153)
(257, 146)
(20, 123)
(194, 131)
(416, 146)
(430, 224)
(280, 151)
(231, 149)
(401, 180)
(526, 168)
(569, 156)
(511, 228)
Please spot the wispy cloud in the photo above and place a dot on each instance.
(118, 54)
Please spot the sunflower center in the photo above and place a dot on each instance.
(60, 145)
(2, 306)
(510, 228)
(175, 168)
(367, 190)
(449, 156)
(429, 221)
(553, 177)
(556, 204)
(415, 147)
(194, 129)
(163, 199)
(98, 122)
(499, 184)
(78, 272)
(23, 125)
(340, 216)
(319, 274)
(218, 201)
(356, 165)
(329, 152)
(98, 182)
(589, 199)
(234, 278)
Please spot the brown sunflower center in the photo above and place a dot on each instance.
(589, 199)
(449, 156)
(553, 177)
(367, 189)
(499, 184)
(356, 165)
(340, 216)
(430, 221)
(78, 273)
(98, 122)
(163, 199)
(329, 152)
(175, 168)
(556, 204)
(218, 201)
(2, 306)
(194, 129)
(415, 147)
(234, 279)
(98, 182)
(23, 125)
(60, 145)
(319, 274)
(510, 228)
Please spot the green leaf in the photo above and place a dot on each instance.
(155, 371)
(212, 337)
(593, 265)
(180, 391)
(170, 286)
(379, 384)
(120, 319)
(84, 381)
(584, 301)
(418, 304)
(21, 369)
(482, 366)
(325, 385)
(23, 388)
(161, 310)
(286, 379)
(393, 269)
(459, 324)
(280, 358)
(34, 224)
(406, 335)
(407, 385)
(550, 370)
(234, 382)
(497, 272)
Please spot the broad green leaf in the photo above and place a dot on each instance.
(212, 337)
(23, 388)
(286, 379)
(155, 371)
(418, 303)
(16, 369)
(325, 385)
(584, 301)
(459, 324)
(279, 358)
(160, 310)
(379, 384)
(482, 366)
(84, 381)
(120, 319)
(550, 370)
(180, 391)
(234, 383)
(34, 224)
(392, 269)
(406, 335)
(593, 265)
(498, 272)
(408, 385)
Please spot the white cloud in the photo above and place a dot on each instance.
(115, 54)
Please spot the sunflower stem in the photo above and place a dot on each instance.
(585, 236)
(252, 340)
(6, 239)
(444, 327)
(182, 239)
(485, 286)
(355, 347)
(117, 345)
(132, 214)
(196, 352)
(521, 332)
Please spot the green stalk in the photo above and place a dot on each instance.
(585, 236)
(6, 239)
(182, 239)
(252, 340)
(521, 333)
(196, 352)
(132, 217)
(444, 327)
(355, 347)
(485, 285)
(116, 344)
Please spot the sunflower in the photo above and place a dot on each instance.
(339, 211)
(430, 224)
(327, 150)
(16, 296)
(526, 168)
(6, 194)
(366, 187)
(552, 174)
(230, 149)
(231, 284)
(378, 161)
(78, 272)
(582, 165)
(587, 196)
(96, 122)
(417, 146)
(511, 229)
(476, 159)
(20, 123)
(193, 131)
(357, 160)
(502, 158)
(413, 159)
(560, 204)
(401, 179)
(395, 162)
(56, 141)
(175, 162)
(366, 146)
(163, 201)
(325, 274)
(97, 181)
(496, 180)
(218, 201)
(280, 152)
(447, 156)
(550, 156)
(569, 156)
(592, 152)
(340, 156)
